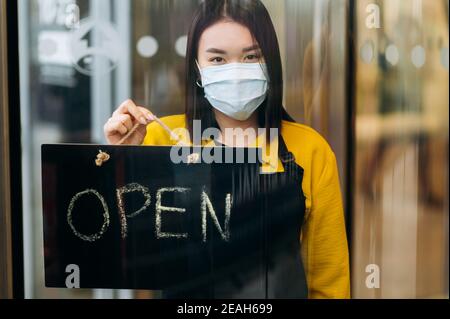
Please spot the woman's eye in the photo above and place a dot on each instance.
(217, 60)
(252, 57)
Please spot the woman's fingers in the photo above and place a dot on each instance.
(112, 127)
(141, 115)
(123, 120)
(148, 115)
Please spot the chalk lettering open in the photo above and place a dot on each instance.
(206, 208)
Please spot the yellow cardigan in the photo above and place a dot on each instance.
(324, 241)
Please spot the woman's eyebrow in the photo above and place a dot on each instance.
(252, 48)
(220, 51)
(214, 50)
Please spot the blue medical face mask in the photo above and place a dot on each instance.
(235, 89)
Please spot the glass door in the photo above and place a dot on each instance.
(68, 93)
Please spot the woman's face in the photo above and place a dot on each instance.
(227, 42)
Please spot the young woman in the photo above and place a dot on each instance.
(234, 80)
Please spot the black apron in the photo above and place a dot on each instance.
(262, 259)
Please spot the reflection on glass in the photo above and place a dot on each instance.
(400, 203)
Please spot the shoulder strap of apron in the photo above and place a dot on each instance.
(283, 152)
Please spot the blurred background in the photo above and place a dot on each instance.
(380, 67)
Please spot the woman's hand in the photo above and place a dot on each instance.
(124, 119)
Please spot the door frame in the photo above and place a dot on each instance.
(11, 240)
(6, 290)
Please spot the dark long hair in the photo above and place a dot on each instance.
(253, 15)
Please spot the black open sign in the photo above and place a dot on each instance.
(140, 221)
